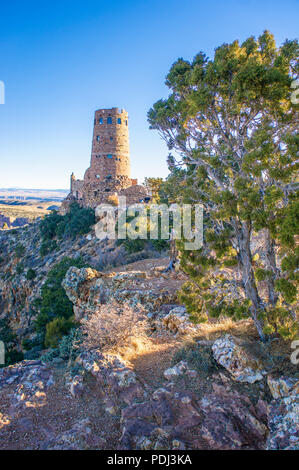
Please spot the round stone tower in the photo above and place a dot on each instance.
(109, 171)
(110, 157)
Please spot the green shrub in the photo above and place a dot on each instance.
(139, 244)
(56, 329)
(48, 225)
(20, 268)
(49, 355)
(31, 274)
(198, 357)
(19, 250)
(9, 339)
(133, 246)
(69, 345)
(12, 356)
(47, 247)
(6, 333)
(54, 302)
(77, 221)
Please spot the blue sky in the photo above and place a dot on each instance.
(62, 60)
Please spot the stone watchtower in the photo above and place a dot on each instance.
(109, 172)
(110, 155)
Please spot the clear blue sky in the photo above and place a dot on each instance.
(62, 60)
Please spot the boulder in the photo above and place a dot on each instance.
(88, 289)
(233, 357)
(177, 321)
(179, 369)
(283, 386)
(117, 380)
(284, 424)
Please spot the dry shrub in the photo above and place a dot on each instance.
(114, 326)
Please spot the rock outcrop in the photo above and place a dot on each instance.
(88, 289)
(233, 357)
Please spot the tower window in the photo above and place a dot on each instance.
(98, 138)
(111, 138)
(109, 120)
(109, 155)
(108, 177)
(119, 121)
(126, 123)
(101, 121)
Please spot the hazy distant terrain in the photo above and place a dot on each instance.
(19, 206)
(40, 194)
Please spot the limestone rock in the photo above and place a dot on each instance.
(177, 321)
(284, 424)
(179, 369)
(31, 380)
(87, 289)
(283, 386)
(118, 381)
(236, 361)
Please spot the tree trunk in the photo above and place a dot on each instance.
(243, 236)
(173, 254)
(271, 266)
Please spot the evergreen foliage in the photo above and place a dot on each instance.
(234, 127)
(54, 303)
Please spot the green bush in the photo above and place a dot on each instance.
(6, 333)
(20, 268)
(69, 345)
(132, 246)
(198, 357)
(136, 245)
(47, 247)
(48, 225)
(12, 356)
(54, 302)
(77, 221)
(9, 339)
(31, 274)
(19, 250)
(56, 329)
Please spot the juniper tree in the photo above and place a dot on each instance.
(234, 127)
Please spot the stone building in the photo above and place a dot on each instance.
(109, 173)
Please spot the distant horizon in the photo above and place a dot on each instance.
(32, 189)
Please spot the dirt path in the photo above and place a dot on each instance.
(150, 364)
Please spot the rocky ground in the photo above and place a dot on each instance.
(111, 405)
(184, 386)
